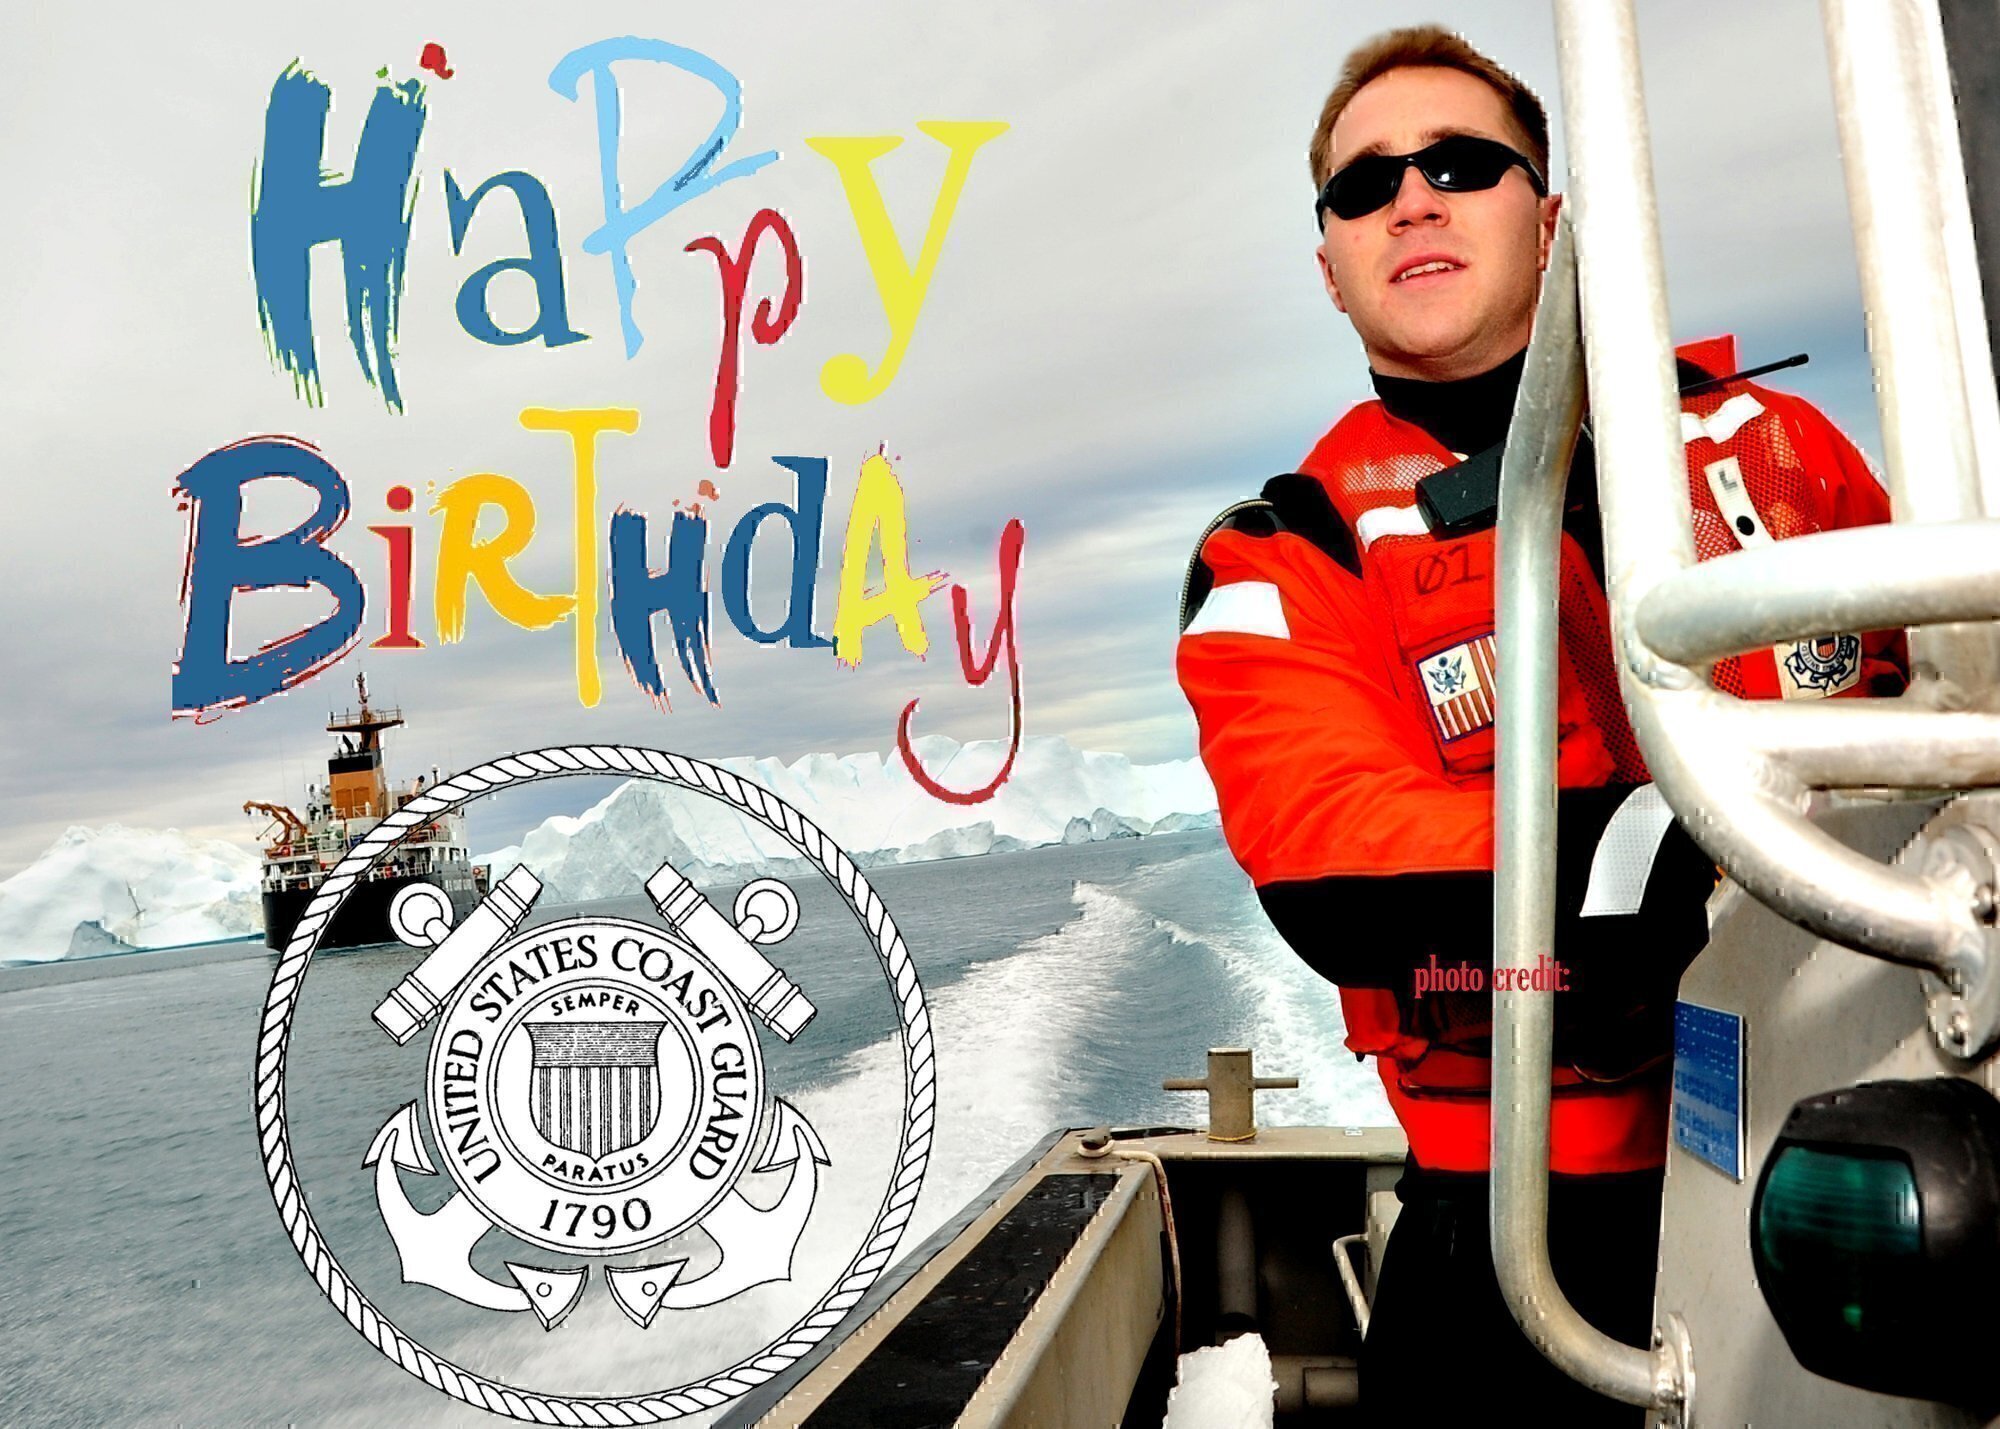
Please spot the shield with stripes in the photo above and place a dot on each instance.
(1460, 684)
(595, 1085)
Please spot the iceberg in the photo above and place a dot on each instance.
(114, 889)
(872, 808)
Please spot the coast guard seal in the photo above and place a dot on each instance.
(595, 1088)
(1823, 665)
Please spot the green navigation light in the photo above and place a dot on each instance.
(1875, 1234)
(1842, 1229)
(1838, 1204)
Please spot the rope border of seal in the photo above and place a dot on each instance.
(878, 1245)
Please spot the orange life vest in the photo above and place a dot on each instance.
(1346, 707)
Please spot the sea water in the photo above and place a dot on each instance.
(147, 1279)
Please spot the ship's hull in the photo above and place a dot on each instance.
(364, 917)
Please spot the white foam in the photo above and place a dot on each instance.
(1298, 1019)
(1004, 1032)
(997, 1032)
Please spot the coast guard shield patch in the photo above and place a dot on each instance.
(1459, 683)
(1824, 665)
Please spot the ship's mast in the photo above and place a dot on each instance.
(365, 721)
(355, 781)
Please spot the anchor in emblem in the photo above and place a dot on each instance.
(1824, 663)
(595, 1086)
(757, 1245)
(435, 1247)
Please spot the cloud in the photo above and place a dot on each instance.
(1124, 334)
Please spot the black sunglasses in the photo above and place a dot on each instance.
(1463, 163)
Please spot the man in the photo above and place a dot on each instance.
(1339, 659)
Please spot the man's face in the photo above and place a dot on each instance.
(1475, 310)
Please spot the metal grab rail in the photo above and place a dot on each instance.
(1548, 410)
(1737, 776)
(1806, 586)
(1906, 192)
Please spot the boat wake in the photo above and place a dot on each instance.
(1073, 1027)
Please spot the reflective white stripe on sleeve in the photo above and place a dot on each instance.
(1624, 857)
(1245, 608)
(1724, 422)
(1380, 521)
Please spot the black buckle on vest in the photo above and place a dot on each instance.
(1464, 497)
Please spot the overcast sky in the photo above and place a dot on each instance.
(1125, 333)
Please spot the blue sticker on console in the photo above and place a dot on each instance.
(1708, 1086)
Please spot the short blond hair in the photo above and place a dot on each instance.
(1437, 47)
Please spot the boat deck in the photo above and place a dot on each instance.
(1064, 1294)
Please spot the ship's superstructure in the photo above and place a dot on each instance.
(339, 812)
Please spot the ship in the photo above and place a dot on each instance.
(298, 850)
(1830, 1239)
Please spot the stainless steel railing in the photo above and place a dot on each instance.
(1737, 775)
(1547, 414)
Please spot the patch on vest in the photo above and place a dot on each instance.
(1460, 684)
(1824, 665)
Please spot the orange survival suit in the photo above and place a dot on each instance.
(1339, 658)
